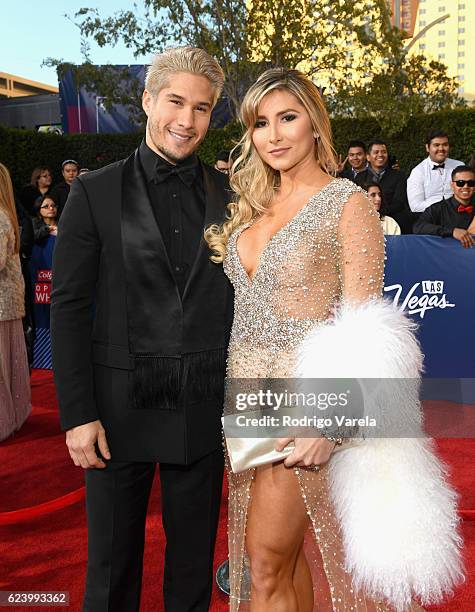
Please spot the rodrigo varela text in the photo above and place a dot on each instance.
(303, 421)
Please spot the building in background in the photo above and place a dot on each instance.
(13, 86)
(28, 104)
(450, 38)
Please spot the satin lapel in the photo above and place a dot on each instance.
(215, 201)
(147, 268)
(137, 211)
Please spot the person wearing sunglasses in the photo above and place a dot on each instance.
(45, 223)
(454, 217)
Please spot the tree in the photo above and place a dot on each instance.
(395, 85)
(310, 34)
(244, 36)
(349, 47)
(219, 27)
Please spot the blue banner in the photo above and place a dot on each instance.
(41, 264)
(431, 279)
(84, 111)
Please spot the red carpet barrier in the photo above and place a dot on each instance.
(26, 514)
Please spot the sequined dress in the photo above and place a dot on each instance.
(332, 249)
(15, 395)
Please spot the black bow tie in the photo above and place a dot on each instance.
(187, 173)
(436, 167)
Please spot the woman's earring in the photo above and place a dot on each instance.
(316, 136)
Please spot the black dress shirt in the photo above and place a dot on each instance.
(178, 201)
(441, 218)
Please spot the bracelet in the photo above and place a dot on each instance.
(337, 441)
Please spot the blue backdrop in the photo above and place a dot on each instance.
(431, 279)
(82, 111)
(41, 263)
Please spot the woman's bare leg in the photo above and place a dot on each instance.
(276, 526)
(303, 583)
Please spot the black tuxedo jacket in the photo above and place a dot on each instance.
(127, 348)
(394, 187)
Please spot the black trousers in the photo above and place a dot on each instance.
(116, 503)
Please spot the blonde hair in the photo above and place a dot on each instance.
(254, 181)
(7, 203)
(183, 59)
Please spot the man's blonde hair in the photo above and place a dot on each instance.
(183, 59)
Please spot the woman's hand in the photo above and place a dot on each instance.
(308, 451)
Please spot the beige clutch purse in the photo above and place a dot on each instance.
(247, 453)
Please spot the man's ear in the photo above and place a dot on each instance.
(147, 101)
(427, 148)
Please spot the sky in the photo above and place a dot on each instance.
(33, 31)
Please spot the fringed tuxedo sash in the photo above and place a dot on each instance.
(166, 382)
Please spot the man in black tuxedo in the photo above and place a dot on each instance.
(393, 184)
(140, 323)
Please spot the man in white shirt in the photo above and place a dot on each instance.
(430, 181)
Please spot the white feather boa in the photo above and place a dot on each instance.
(397, 512)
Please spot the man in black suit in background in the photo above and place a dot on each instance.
(393, 184)
(454, 217)
(140, 323)
(356, 159)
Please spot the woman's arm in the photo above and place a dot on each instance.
(41, 231)
(361, 266)
(3, 244)
(361, 240)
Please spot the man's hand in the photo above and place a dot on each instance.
(341, 163)
(464, 236)
(80, 442)
(308, 451)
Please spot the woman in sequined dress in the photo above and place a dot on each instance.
(297, 243)
(15, 399)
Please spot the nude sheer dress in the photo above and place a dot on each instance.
(331, 250)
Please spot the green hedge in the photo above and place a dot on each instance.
(409, 145)
(22, 150)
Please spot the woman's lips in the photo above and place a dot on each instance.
(280, 151)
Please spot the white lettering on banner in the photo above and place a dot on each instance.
(44, 276)
(42, 293)
(43, 287)
(433, 297)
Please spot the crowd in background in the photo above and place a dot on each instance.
(436, 199)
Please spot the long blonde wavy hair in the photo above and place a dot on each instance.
(7, 203)
(253, 181)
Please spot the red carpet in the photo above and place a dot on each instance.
(42, 523)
